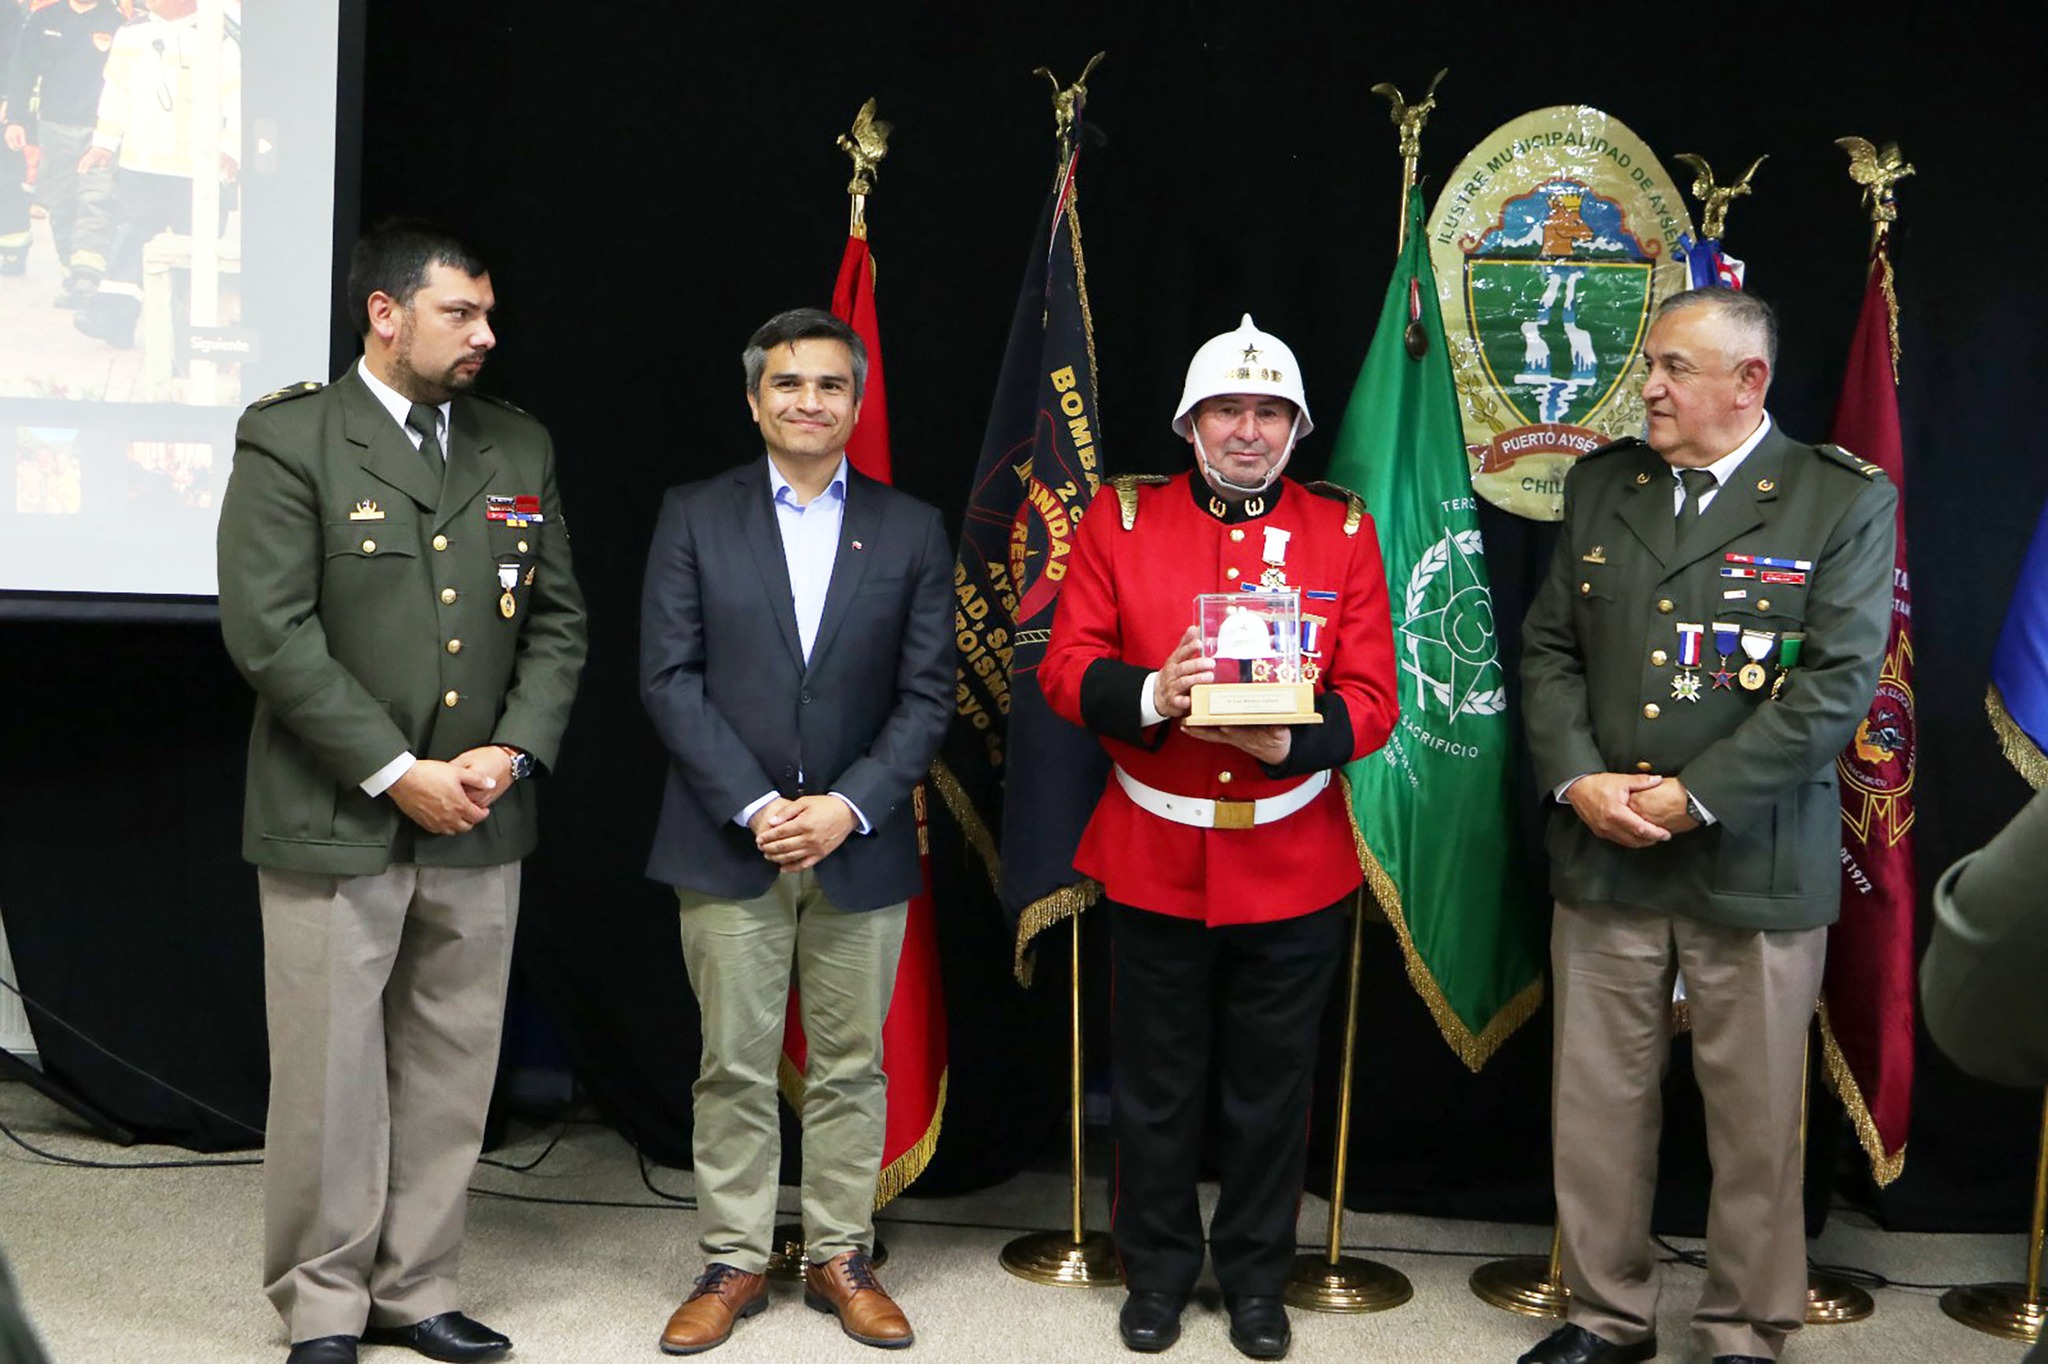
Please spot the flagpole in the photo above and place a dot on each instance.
(1334, 1281)
(2012, 1310)
(867, 142)
(1409, 118)
(1831, 1300)
(1077, 1258)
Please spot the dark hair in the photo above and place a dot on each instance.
(803, 324)
(1749, 313)
(393, 258)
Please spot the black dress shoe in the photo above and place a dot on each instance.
(1576, 1345)
(323, 1350)
(1742, 1359)
(449, 1336)
(1258, 1327)
(1150, 1322)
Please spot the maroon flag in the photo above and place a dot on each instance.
(914, 1033)
(1867, 996)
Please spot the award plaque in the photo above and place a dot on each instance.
(1254, 639)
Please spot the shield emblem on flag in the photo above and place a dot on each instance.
(1552, 248)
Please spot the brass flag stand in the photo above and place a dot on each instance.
(1526, 1284)
(1334, 1281)
(2012, 1310)
(1077, 1258)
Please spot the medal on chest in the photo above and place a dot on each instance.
(1757, 645)
(1275, 556)
(1686, 685)
(508, 578)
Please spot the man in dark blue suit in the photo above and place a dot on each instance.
(796, 656)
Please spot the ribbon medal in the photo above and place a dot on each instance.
(508, 578)
(1757, 645)
(1727, 637)
(1788, 659)
(1686, 685)
(1275, 555)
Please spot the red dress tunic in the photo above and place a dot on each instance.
(1127, 601)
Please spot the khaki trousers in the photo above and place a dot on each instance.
(1751, 996)
(386, 998)
(742, 958)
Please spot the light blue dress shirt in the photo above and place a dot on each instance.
(810, 546)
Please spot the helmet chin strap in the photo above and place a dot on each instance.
(1225, 486)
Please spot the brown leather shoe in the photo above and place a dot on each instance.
(721, 1297)
(845, 1285)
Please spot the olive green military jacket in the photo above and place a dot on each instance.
(1602, 652)
(368, 604)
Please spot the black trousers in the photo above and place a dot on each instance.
(1244, 1004)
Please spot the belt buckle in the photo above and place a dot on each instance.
(1235, 814)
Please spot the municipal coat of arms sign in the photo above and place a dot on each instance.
(1552, 244)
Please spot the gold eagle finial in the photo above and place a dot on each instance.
(1714, 199)
(1409, 118)
(1877, 171)
(867, 143)
(1067, 102)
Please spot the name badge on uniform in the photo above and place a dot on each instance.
(508, 578)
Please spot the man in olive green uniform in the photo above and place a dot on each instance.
(1706, 641)
(395, 585)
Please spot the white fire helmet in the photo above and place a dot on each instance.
(1243, 361)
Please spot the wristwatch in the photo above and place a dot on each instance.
(1692, 807)
(522, 761)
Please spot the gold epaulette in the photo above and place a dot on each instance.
(1855, 463)
(1127, 486)
(1354, 505)
(288, 391)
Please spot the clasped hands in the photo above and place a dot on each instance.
(453, 797)
(1631, 808)
(798, 834)
(1186, 669)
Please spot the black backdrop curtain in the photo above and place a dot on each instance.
(649, 182)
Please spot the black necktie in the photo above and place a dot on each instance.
(426, 420)
(1698, 483)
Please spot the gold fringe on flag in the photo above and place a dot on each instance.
(1039, 915)
(1885, 1166)
(900, 1173)
(1474, 1049)
(2019, 748)
(970, 822)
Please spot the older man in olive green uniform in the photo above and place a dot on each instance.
(395, 585)
(1708, 636)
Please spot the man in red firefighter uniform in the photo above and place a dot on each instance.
(1225, 854)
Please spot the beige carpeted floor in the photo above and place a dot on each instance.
(160, 1267)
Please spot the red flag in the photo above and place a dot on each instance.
(1867, 998)
(914, 1034)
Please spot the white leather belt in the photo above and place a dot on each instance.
(1221, 814)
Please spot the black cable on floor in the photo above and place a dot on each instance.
(127, 1065)
(83, 1164)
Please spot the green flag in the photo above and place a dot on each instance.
(1433, 806)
